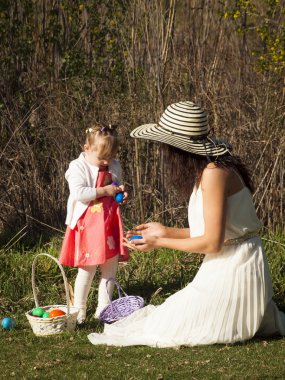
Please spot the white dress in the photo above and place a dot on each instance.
(228, 301)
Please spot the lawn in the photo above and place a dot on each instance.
(71, 356)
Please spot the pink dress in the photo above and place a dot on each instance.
(98, 234)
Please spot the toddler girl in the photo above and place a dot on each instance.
(94, 225)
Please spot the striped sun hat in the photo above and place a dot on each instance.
(185, 126)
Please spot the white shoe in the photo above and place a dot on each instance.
(99, 310)
(81, 316)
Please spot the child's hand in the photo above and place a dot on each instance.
(121, 189)
(111, 190)
(126, 195)
(108, 191)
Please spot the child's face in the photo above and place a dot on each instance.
(94, 157)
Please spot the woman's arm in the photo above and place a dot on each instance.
(158, 229)
(177, 233)
(214, 185)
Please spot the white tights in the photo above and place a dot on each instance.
(83, 283)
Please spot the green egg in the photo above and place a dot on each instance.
(46, 314)
(38, 312)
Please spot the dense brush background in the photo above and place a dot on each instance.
(67, 63)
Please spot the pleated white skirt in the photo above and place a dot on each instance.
(228, 301)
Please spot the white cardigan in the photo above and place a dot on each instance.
(82, 183)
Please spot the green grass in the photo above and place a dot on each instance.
(154, 275)
(71, 356)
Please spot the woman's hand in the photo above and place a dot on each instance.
(148, 230)
(157, 229)
(144, 244)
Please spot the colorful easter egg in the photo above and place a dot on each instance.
(135, 237)
(8, 323)
(38, 312)
(56, 313)
(119, 197)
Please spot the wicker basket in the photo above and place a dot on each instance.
(121, 307)
(56, 325)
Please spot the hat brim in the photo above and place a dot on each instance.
(155, 132)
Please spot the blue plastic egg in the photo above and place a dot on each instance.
(8, 323)
(119, 197)
(135, 237)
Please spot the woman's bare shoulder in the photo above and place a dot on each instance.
(213, 176)
(213, 170)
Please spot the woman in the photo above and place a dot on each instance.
(230, 298)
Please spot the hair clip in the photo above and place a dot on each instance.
(109, 127)
(105, 128)
(113, 126)
(89, 130)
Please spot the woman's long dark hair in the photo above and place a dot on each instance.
(184, 170)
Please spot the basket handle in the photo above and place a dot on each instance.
(119, 288)
(63, 275)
